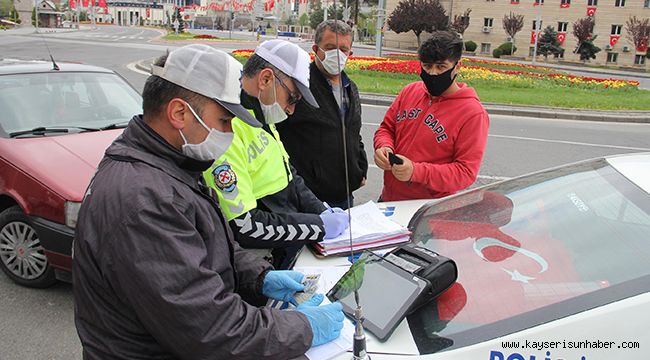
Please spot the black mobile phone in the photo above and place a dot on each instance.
(394, 160)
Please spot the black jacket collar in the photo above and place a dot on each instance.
(139, 142)
(315, 73)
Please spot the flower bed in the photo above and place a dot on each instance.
(485, 71)
(204, 36)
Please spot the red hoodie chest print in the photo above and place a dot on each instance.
(430, 121)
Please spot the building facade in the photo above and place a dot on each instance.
(134, 12)
(486, 26)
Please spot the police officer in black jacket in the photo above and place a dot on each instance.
(313, 137)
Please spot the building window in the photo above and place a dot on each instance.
(487, 22)
(485, 48)
(565, 2)
(646, 3)
(616, 29)
(612, 57)
(559, 56)
(639, 59)
(619, 3)
(592, 2)
(541, 22)
(562, 26)
(538, 2)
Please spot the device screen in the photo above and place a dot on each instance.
(385, 295)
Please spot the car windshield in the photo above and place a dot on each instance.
(532, 250)
(65, 99)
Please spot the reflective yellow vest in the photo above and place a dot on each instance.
(254, 166)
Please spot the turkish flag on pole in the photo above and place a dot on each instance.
(102, 4)
(73, 4)
(565, 5)
(613, 39)
(532, 37)
(561, 37)
(591, 10)
(84, 3)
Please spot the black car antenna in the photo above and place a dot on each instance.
(54, 64)
(359, 350)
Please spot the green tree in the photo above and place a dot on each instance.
(34, 18)
(181, 23)
(5, 8)
(418, 16)
(14, 16)
(315, 18)
(548, 43)
(583, 31)
(587, 49)
(317, 15)
(303, 20)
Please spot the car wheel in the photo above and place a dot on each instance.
(22, 257)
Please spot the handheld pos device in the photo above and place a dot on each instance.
(392, 286)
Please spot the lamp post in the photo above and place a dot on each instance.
(538, 26)
(379, 26)
(36, 15)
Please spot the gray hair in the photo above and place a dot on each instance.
(336, 26)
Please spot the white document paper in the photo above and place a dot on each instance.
(328, 277)
(333, 348)
(367, 222)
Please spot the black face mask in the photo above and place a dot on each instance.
(437, 84)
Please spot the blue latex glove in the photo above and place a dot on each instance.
(332, 210)
(326, 321)
(282, 285)
(334, 223)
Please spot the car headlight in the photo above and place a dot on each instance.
(71, 213)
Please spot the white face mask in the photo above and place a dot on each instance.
(332, 61)
(273, 113)
(214, 145)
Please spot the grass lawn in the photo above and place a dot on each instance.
(189, 36)
(179, 36)
(492, 91)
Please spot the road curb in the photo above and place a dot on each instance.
(512, 110)
(537, 111)
(144, 65)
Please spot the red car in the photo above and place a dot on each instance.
(56, 121)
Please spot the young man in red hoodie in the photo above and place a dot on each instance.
(437, 127)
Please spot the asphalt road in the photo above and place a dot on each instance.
(38, 324)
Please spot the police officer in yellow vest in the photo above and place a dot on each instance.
(265, 201)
